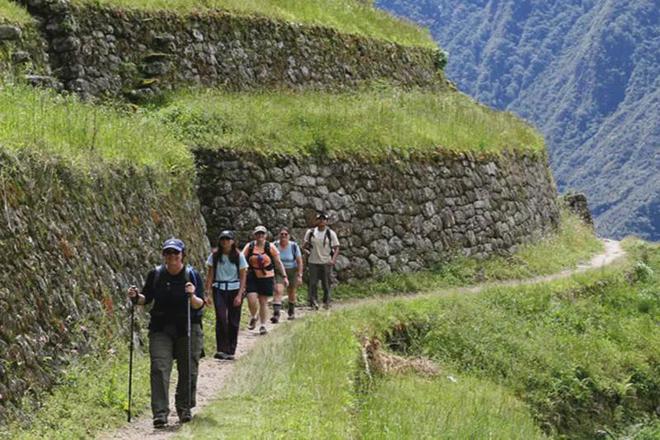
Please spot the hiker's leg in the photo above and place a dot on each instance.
(253, 303)
(181, 354)
(291, 290)
(325, 282)
(234, 321)
(222, 320)
(263, 308)
(313, 283)
(161, 352)
(277, 299)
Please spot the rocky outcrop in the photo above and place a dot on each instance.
(72, 244)
(138, 53)
(394, 216)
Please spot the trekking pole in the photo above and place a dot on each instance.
(130, 363)
(189, 357)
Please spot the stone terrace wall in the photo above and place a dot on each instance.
(22, 50)
(97, 50)
(397, 216)
(71, 246)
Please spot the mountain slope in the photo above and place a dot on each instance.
(586, 73)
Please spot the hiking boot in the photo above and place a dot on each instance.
(184, 415)
(314, 306)
(262, 330)
(326, 306)
(252, 324)
(291, 317)
(160, 423)
(292, 311)
(275, 319)
(230, 357)
(220, 355)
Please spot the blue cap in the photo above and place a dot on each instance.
(174, 243)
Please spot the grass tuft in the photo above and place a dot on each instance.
(13, 13)
(371, 123)
(86, 134)
(347, 16)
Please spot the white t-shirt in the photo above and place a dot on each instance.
(321, 246)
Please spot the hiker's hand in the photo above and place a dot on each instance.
(299, 280)
(190, 288)
(132, 292)
(238, 300)
(286, 281)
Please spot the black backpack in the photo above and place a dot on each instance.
(190, 275)
(326, 239)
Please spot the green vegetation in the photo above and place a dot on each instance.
(315, 373)
(348, 16)
(371, 123)
(90, 397)
(11, 12)
(85, 134)
(580, 356)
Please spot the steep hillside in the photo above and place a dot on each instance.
(587, 74)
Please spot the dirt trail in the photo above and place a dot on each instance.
(213, 373)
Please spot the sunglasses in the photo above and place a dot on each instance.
(283, 234)
(171, 252)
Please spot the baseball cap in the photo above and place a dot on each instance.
(227, 234)
(321, 215)
(174, 243)
(260, 229)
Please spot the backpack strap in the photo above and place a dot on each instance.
(157, 274)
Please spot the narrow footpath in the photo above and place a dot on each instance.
(213, 373)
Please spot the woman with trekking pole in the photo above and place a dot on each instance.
(291, 257)
(175, 330)
(225, 277)
(262, 258)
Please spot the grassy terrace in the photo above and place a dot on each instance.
(85, 134)
(370, 123)
(569, 359)
(11, 12)
(348, 16)
(92, 395)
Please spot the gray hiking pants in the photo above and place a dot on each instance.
(164, 347)
(319, 272)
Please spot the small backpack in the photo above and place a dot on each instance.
(190, 275)
(271, 266)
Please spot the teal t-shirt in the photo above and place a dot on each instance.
(227, 271)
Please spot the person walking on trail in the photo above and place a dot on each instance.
(177, 294)
(226, 276)
(262, 257)
(322, 246)
(291, 257)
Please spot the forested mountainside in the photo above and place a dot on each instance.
(586, 72)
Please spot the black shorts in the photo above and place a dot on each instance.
(262, 286)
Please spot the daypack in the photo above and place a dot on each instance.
(190, 275)
(216, 261)
(295, 251)
(326, 239)
(271, 266)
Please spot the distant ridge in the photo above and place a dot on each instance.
(587, 74)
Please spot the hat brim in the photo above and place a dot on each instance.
(176, 248)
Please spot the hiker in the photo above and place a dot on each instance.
(262, 257)
(322, 246)
(177, 293)
(225, 277)
(291, 257)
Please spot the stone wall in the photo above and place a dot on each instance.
(72, 243)
(578, 205)
(394, 216)
(103, 51)
(22, 50)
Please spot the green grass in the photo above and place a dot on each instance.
(371, 123)
(90, 397)
(302, 363)
(12, 13)
(86, 134)
(347, 16)
(575, 356)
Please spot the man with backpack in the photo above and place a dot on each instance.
(175, 330)
(322, 246)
